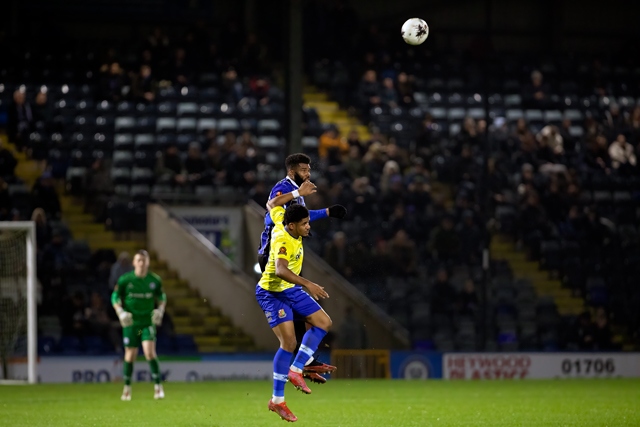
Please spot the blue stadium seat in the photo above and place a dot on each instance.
(185, 344)
(46, 345)
(70, 345)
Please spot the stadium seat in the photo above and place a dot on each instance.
(124, 124)
(123, 141)
(142, 176)
(206, 124)
(70, 345)
(166, 109)
(46, 345)
(268, 127)
(228, 125)
(269, 142)
(553, 117)
(145, 124)
(121, 176)
(140, 192)
(166, 125)
(514, 115)
(512, 101)
(122, 159)
(144, 141)
(185, 344)
(186, 124)
(187, 109)
(145, 159)
(476, 113)
(456, 114)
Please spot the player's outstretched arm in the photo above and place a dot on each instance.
(283, 272)
(305, 189)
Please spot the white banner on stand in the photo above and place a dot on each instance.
(109, 369)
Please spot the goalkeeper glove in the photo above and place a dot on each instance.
(337, 211)
(126, 319)
(156, 316)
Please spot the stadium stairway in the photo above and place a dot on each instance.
(193, 315)
(330, 112)
(503, 248)
(84, 227)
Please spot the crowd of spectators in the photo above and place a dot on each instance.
(415, 191)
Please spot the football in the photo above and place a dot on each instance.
(415, 31)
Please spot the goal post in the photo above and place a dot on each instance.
(18, 310)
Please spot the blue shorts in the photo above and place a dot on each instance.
(280, 307)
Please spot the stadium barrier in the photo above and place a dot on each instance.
(352, 364)
(361, 364)
(100, 369)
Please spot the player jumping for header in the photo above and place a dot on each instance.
(298, 171)
(281, 296)
(134, 301)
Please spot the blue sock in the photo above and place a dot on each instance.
(310, 343)
(280, 371)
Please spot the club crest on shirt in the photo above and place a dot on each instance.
(281, 313)
(282, 251)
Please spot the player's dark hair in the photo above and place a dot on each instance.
(143, 253)
(295, 159)
(295, 213)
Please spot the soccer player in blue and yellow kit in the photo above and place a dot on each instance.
(280, 295)
(298, 171)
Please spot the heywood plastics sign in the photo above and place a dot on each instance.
(539, 365)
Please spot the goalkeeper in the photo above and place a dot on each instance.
(134, 301)
(298, 171)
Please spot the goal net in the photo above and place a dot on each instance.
(18, 349)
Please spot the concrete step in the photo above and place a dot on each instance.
(181, 321)
(333, 116)
(77, 218)
(97, 237)
(323, 106)
(175, 293)
(315, 97)
(190, 330)
(86, 227)
(221, 349)
(207, 341)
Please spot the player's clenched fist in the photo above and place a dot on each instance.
(307, 188)
(126, 319)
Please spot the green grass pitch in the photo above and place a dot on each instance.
(342, 403)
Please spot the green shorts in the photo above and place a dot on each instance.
(132, 336)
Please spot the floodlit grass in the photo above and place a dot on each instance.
(338, 403)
